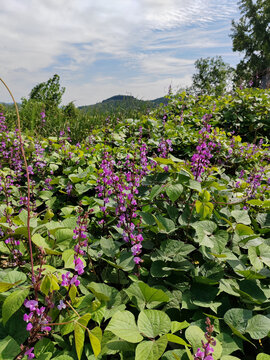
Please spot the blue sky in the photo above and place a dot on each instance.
(102, 48)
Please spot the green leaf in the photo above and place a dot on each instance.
(143, 295)
(63, 238)
(229, 357)
(176, 326)
(12, 303)
(264, 220)
(151, 350)
(95, 337)
(164, 224)
(44, 345)
(176, 339)
(101, 291)
(108, 246)
(238, 318)
(195, 185)
(157, 189)
(258, 327)
(241, 217)
(242, 230)
(13, 277)
(49, 284)
(204, 229)
(263, 356)
(195, 335)
(152, 323)
(190, 357)
(174, 191)
(147, 218)
(9, 348)
(123, 325)
(6, 286)
(72, 293)
(79, 332)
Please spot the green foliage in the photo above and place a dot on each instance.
(250, 36)
(213, 76)
(205, 248)
(49, 93)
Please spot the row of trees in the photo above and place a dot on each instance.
(250, 36)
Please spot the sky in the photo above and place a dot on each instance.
(101, 48)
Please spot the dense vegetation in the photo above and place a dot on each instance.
(129, 235)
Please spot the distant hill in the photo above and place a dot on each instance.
(119, 102)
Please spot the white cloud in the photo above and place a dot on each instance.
(40, 37)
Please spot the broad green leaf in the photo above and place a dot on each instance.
(156, 190)
(152, 323)
(176, 339)
(72, 293)
(195, 185)
(164, 224)
(174, 191)
(12, 303)
(172, 250)
(95, 337)
(204, 229)
(229, 357)
(44, 345)
(63, 238)
(238, 318)
(151, 350)
(12, 277)
(147, 218)
(101, 291)
(264, 220)
(176, 326)
(49, 284)
(143, 295)
(108, 246)
(242, 230)
(6, 286)
(241, 217)
(9, 348)
(79, 333)
(258, 327)
(123, 325)
(263, 356)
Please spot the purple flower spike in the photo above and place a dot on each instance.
(29, 353)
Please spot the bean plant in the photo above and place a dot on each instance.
(147, 239)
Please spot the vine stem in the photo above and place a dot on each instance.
(28, 179)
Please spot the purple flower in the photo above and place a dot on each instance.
(137, 260)
(61, 305)
(29, 327)
(46, 328)
(31, 304)
(79, 267)
(29, 353)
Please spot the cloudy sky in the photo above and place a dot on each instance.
(102, 48)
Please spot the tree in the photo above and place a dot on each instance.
(50, 93)
(213, 76)
(251, 35)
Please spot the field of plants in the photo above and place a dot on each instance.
(144, 238)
